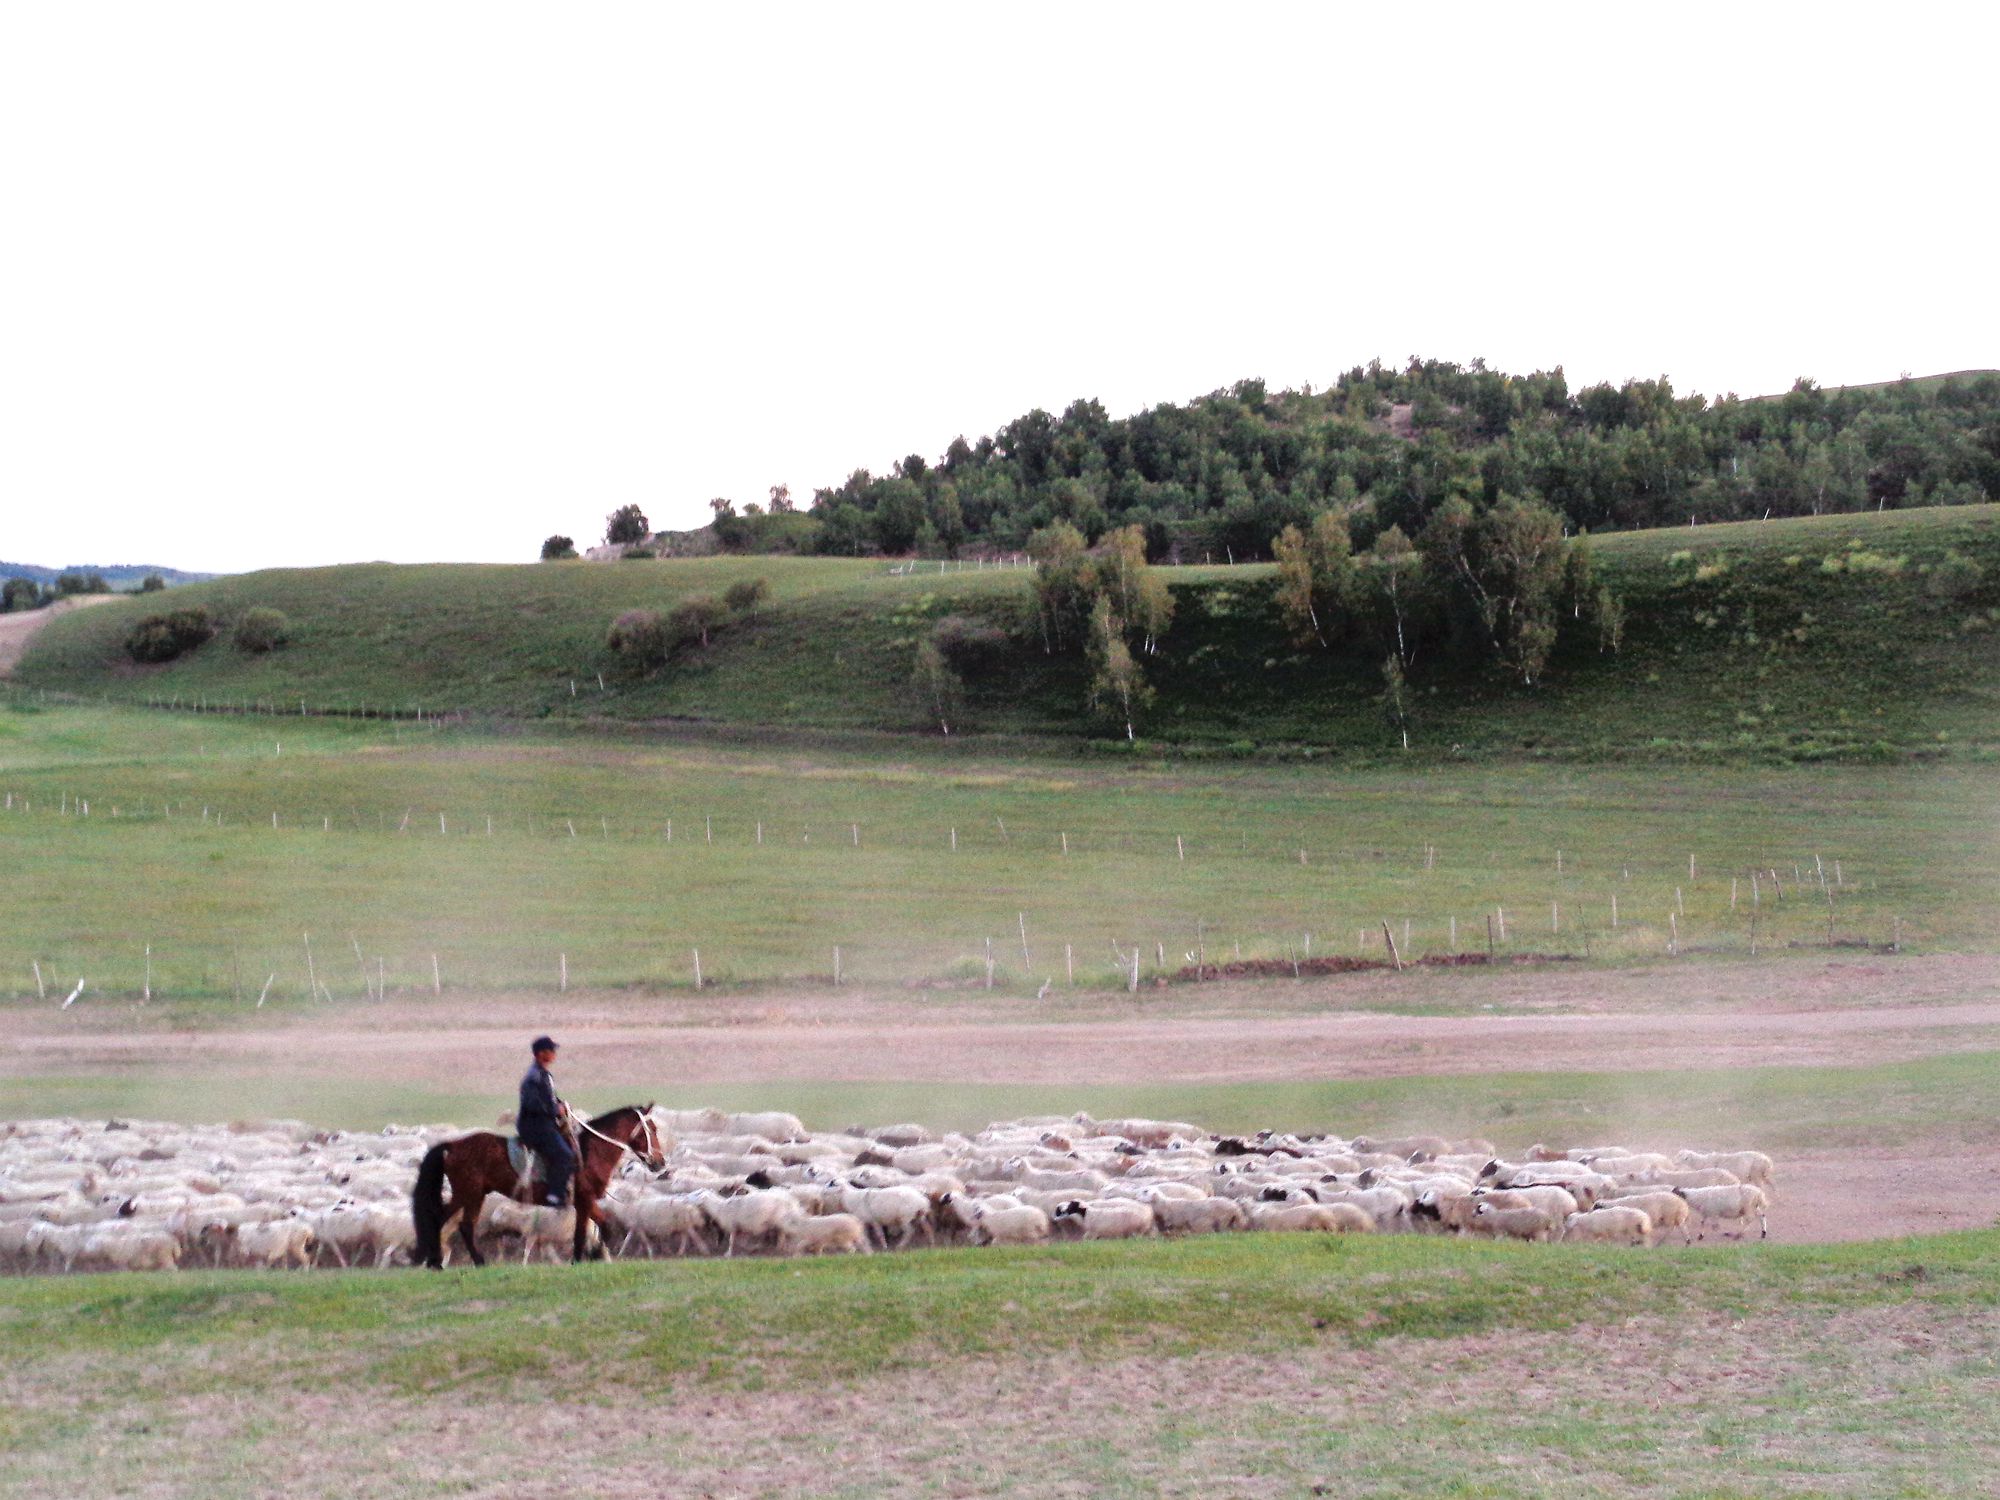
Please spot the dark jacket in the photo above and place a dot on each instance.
(538, 1100)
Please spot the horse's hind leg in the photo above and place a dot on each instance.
(468, 1218)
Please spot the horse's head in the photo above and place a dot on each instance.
(647, 1143)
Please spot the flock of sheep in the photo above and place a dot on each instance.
(130, 1195)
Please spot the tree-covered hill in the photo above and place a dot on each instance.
(1221, 476)
(1866, 635)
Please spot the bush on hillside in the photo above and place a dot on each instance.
(693, 620)
(558, 549)
(81, 583)
(152, 583)
(746, 594)
(636, 554)
(159, 638)
(972, 647)
(261, 629)
(1957, 578)
(640, 637)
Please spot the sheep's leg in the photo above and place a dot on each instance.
(1764, 1227)
(730, 1250)
(334, 1246)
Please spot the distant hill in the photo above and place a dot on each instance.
(119, 575)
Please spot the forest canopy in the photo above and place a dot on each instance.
(1222, 476)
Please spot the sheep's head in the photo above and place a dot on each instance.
(1070, 1210)
(1275, 1195)
(1491, 1169)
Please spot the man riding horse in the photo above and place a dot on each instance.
(472, 1166)
(542, 1123)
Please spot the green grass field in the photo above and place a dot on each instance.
(220, 842)
(1246, 1364)
(1796, 640)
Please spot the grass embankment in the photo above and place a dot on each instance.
(381, 841)
(1245, 1363)
(1797, 639)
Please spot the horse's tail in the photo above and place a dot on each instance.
(427, 1208)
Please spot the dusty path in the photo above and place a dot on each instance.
(17, 630)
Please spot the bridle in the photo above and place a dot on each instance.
(646, 1126)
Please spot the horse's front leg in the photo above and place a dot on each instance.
(586, 1211)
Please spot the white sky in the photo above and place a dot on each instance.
(287, 284)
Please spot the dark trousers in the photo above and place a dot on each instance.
(558, 1161)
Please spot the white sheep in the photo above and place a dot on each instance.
(276, 1243)
(1323, 1218)
(1557, 1203)
(552, 1231)
(1109, 1218)
(1750, 1166)
(772, 1125)
(660, 1220)
(901, 1211)
(1514, 1223)
(1612, 1226)
(123, 1247)
(997, 1222)
(1727, 1202)
(760, 1214)
(824, 1234)
(1197, 1215)
(1668, 1209)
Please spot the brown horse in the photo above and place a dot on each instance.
(477, 1164)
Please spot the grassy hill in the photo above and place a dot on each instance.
(1803, 638)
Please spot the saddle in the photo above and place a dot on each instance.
(529, 1172)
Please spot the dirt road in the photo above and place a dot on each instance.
(1831, 1014)
(17, 630)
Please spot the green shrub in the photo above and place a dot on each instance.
(262, 629)
(636, 554)
(159, 638)
(746, 594)
(693, 619)
(640, 637)
(558, 549)
(152, 583)
(973, 647)
(1957, 578)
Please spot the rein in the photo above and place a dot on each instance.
(645, 1123)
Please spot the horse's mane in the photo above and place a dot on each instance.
(635, 1113)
